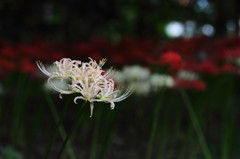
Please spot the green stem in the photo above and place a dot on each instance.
(73, 129)
(93, 151)
(153, 128)
(228, 128)
(196, 125)
(54, 134)
(107, 126)
(16, 111)
(20, 109)
(1, 106)
(163, 131)
(228, 115)
(163, 136)
(61, 128)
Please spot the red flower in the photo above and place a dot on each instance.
(118, 58)
(9, 52)
(7, 65)
(170, 58)
(208, 67)
(197, 85)
(228, 68)
(26, 66)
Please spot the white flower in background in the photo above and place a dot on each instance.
(119, 77)
(187, 75)
(141, 79)
(141, 87)
(136, 73)
(87, 79)
(161, 81)
(136, 77)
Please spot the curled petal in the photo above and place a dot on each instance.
(112, 105)
(76, 98)
(60, 96)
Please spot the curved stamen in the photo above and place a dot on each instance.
(42, 68)
(57, 89)
(79, 97)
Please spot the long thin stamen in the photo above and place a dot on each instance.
(42, 68)
(57, 89)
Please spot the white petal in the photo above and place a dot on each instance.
(112, 106)
(91, 108)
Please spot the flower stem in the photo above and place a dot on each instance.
(17, 132)
(154, 127)
(93, 151)
(61, 128)
(196, 125)
(163, 142)
(54, 135)
(73, 129)
(109, 119)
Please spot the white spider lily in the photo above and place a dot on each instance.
(86, 78)
(92, 70)
(65, 68)
(101, 91)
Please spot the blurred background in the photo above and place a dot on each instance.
(81, 20)
(181, 56)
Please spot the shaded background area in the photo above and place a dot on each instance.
(164, 36)
(78, 20)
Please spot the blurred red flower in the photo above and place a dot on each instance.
(27, 66)
(9, 52)
(7, 65)
(208, 67)
(170, 58)
(197, 85)
(229, 68)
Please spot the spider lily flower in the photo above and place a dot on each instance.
(87, 79)
(65, 68)
(99, 89)
(102, 91)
